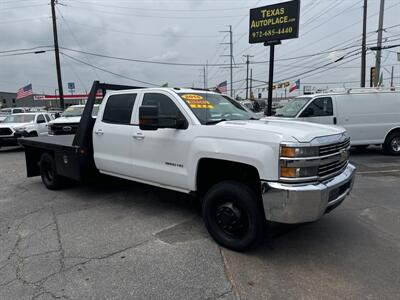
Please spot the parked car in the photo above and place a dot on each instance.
(5, 112)
(69, 120)
(23, 125)
(200, 143)
(370, 116)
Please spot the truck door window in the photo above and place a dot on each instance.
(48, 118)
(166, 107)
(119, 109)
(319, 107)
(40, 119)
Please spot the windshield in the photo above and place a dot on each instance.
(19, 119)
(291, 109)
(77, 111)
(73, 111)
(213, 108)
(5, 112)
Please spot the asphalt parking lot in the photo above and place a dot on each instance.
(122, 240)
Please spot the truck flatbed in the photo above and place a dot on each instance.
(49, 141)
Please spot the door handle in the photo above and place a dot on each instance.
(334, 120)
(99, 132)
(138, 136)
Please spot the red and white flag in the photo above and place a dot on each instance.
(25, 91)
(222, 87)
(295, 86)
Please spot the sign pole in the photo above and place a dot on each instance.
(270, 25)
(271, 45)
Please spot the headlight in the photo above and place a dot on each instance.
(295, 162)
(294, 152)
(296, 172)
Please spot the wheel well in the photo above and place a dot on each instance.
(397, 129)
(211, 171)
(33, 157)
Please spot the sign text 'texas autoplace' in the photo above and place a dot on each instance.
(274, 22)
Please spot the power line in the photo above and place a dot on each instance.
(25, 49)
(160, 9)
(108, 71)
(154, 16)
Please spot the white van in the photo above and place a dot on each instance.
(370, 116)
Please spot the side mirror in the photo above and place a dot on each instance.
(148, 117)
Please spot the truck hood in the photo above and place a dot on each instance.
(302, 132)
(66, 120)
(13, 125)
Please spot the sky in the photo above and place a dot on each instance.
(188, 32)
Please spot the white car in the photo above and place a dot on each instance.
(69, 120)
(370, 116)
(5, 112)
(23, 125)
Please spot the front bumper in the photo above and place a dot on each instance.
(295, 203)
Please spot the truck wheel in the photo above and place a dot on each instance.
(392, 144)
(233, 215)
(32, 134)
(49, 175)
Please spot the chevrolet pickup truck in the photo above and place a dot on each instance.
(245, 171)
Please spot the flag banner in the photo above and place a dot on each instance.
(24, 91)
(222, 87)
(295, 86)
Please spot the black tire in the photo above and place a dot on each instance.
(49, 175)
(233, 215)
(392, 144)
(32, 134)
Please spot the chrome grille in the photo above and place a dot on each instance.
(5, 131)
(332, 168)
(333, 148)
(65, 128)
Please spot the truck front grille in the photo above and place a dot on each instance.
(63, 129)
(332, 148)
(339, 152)
(5, 131)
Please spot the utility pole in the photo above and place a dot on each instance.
(204, 76)
(231, 55)
(247, 74)
(57, 53)
(391, 77)
(364, 44)
(251, 81)
(379, 44)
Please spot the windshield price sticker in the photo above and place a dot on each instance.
(192, 97)
(274, 22)
(199, 103)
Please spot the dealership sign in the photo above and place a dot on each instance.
(274, 22)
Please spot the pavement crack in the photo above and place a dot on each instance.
(60, 247)
(234, 289)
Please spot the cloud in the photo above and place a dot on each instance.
(173, 34)
(168, 56)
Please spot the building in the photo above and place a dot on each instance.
(7, 99)
(10, 100)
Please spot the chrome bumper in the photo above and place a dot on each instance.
(294, 203)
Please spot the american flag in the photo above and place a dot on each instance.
(222, 87)
(25, 91)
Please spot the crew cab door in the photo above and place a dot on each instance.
(112, 135)
(41, 125)
(320, 110)
(160, 156)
